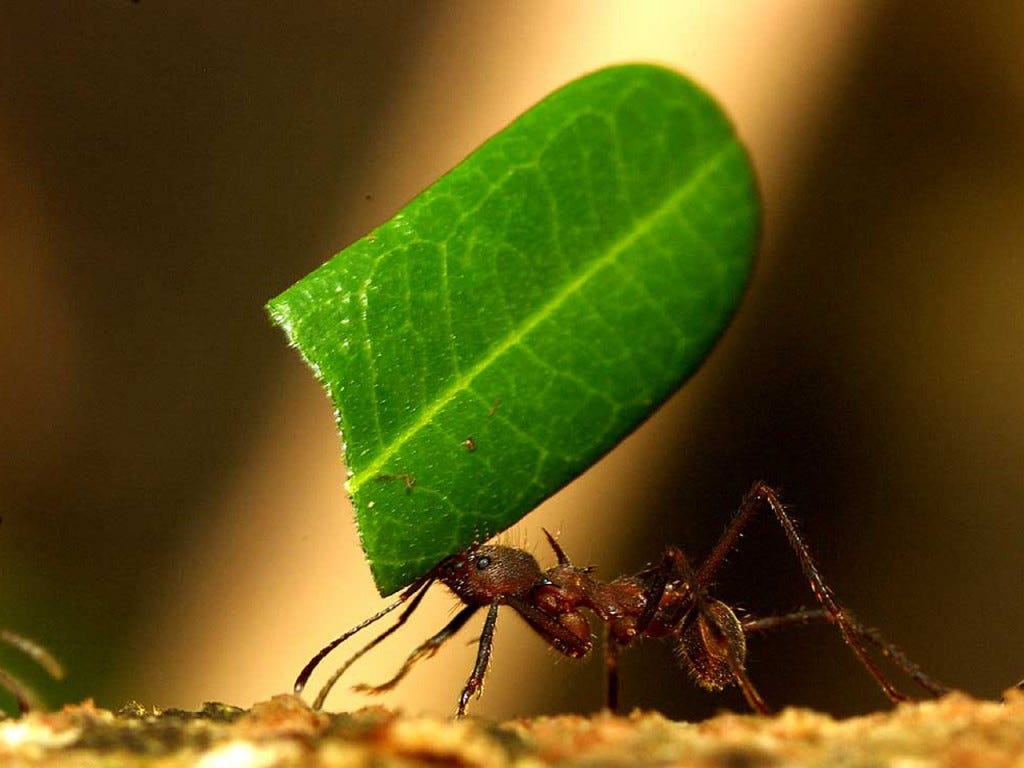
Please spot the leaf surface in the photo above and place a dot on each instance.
(522, 315)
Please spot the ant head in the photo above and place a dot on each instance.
(486, 575)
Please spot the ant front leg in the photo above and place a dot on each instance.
(475, 683)
(424, 650)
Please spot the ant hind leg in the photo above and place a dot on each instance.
(856, 635)
(871, 636)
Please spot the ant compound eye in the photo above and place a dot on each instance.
(483, 562)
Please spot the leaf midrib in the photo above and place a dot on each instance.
(531, 321)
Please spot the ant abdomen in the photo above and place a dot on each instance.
(713, 645)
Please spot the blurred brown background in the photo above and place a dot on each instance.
(174, 525)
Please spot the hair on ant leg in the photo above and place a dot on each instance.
(670, 601)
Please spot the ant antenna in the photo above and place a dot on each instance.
(417, 589)
(34, 651)
(321, 697)
(39, 655)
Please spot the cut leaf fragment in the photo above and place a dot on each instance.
(522, 315)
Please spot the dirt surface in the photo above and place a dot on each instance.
(954, 731)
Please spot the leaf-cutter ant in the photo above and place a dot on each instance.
(39, 655)
(670, 600)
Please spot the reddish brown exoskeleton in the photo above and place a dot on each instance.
(670, 600)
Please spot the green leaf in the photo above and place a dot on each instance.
(518, 318)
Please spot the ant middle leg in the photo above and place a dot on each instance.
(655, 580)
(611, 669)
(673, 562)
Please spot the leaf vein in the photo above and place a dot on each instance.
(538, 316)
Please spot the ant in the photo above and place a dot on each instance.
(39, 655)
(669, 600)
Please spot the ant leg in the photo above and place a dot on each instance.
(39, 655)
(768, 623)
(655, 588)
(559, 636)
(611, 668)
(896, 655)
(760, 494)
(403, 616)
(424, 650)
(720, 631)
(728, 647)
(675, 564)
(714, 560)
(34, 651)
(17, 690)
(475, 683)
(750, 693)
(418, 589)
(872, 636)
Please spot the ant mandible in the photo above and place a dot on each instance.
(670, 600)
